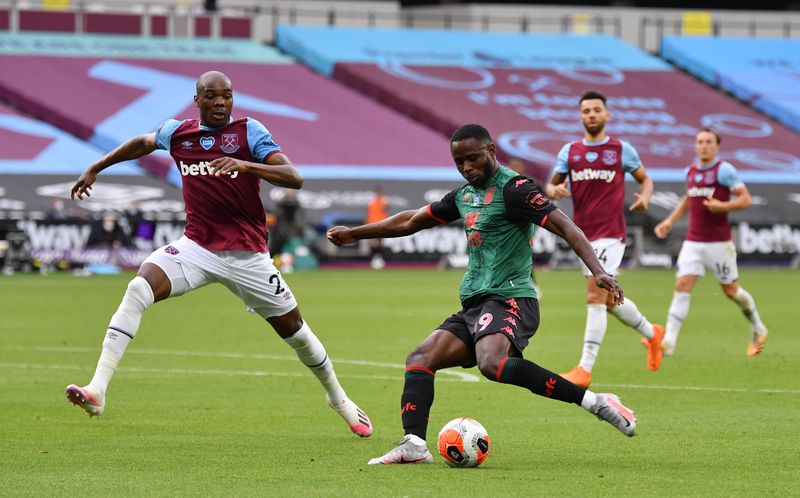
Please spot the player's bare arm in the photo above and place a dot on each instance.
(665, 227)
(399, 225)
(741, 201)
(561, 225)
(278, 170)
(642, 198)
(134, 148)
(557, 188)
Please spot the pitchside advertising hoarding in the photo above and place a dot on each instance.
(759, 232)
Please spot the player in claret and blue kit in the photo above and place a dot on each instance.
(594, 168)
(500, 309)
(713, 189)
(222, 162)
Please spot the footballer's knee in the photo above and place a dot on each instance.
(730, 290)
(489, 367)
(420, 357)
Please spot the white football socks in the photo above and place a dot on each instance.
(628, 313)
(589, 400)
(121, 330)
(596, 323)
(678, 310)
(748, 306)
(312, 354)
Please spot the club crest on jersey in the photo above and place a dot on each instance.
(709, 177)
(230, 143)
(591, 156)
(476, 199)
(609, 157)
(207, 142)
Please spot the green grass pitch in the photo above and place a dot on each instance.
(210, 402)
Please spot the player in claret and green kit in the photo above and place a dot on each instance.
(222, 161)
(500, 310)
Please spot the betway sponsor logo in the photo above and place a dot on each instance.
(604, 175)
(700, 192)
(777, 239)
(200, 169)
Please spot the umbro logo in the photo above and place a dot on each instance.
(187, 145)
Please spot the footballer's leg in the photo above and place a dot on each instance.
(593, 335)
(442, 349)
(150, 285)
(299, 336)
(747, 304)
(495, 364)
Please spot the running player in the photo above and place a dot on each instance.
(500, 309)
(709, 243)
(595, 168)
(222, 162)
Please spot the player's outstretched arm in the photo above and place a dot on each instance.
(665, 227)
(642, 198)
(402, 223)
(557, 188)
(561, 225)
(134, 148)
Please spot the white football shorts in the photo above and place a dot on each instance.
(250, 275)
(609, 252)
(719, 257)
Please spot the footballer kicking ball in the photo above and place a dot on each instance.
(463, 442)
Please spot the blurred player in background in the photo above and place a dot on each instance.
(222, 162)
(500, 310)
(377, 211)
(713, 189)
(595, 168)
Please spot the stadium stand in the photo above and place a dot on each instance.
(524, 88)
(765, 73)
(105, 92)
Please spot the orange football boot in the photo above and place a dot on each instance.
(579, 377)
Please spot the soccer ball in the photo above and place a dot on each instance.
(463, 442)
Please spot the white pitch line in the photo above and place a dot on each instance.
(464, 376)
(703, 388)
(184, 371)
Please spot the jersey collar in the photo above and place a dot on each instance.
(708, 166)
(208, 128)
(599, 142)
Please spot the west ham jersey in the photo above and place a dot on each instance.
(716, 180)
(225, 212)
(596, 172)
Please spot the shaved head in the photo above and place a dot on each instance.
(212, 79)
(214, 99)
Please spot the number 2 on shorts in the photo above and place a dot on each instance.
(278, 288)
